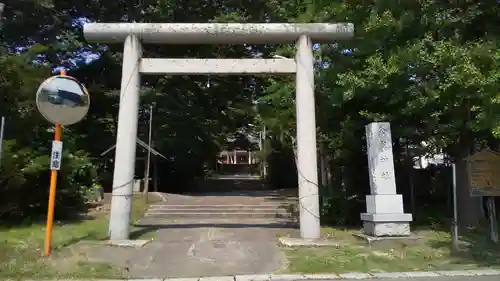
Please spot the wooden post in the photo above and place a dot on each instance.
(155, 175)
(148, 160)
(2, 127)
(492, 217)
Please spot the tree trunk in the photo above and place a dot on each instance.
(469, 208)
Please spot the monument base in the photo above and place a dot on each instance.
(391, 229)
(386, 225)
(387, 240)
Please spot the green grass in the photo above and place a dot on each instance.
(21, 248)
(431, 252)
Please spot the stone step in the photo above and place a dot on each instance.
(166, 222)
(220, 214)
(264, 199)
(218, 210)
(220, 207)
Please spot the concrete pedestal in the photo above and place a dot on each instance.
(386, 224)
(385, 216)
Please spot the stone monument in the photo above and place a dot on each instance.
(384, 207)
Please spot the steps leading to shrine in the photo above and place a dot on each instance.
(278, 210)
(220, 211)
(234, 206)
(230, 183)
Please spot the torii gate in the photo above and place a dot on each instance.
(133, 34)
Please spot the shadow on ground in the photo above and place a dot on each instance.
(143, 229)
(278, 194)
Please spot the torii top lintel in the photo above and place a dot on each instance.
(217, 33)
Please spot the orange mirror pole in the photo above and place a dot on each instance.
(52, 191)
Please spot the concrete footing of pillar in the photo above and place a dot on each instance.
(300, 242)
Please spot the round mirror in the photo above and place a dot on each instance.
(62, 100)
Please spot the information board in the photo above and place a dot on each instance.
(484, 173)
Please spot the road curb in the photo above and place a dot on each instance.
(321, 277)
(344, 276)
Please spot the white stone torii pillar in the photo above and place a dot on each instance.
(133, 34)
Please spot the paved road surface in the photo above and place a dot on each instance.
(441, 278)
(466, 275)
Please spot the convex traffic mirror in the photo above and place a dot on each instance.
(62, 100)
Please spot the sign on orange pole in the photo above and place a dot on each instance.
(62, 100)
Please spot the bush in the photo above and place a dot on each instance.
(340, 208)
(24, 183)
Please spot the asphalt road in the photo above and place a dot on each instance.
(440, 278)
